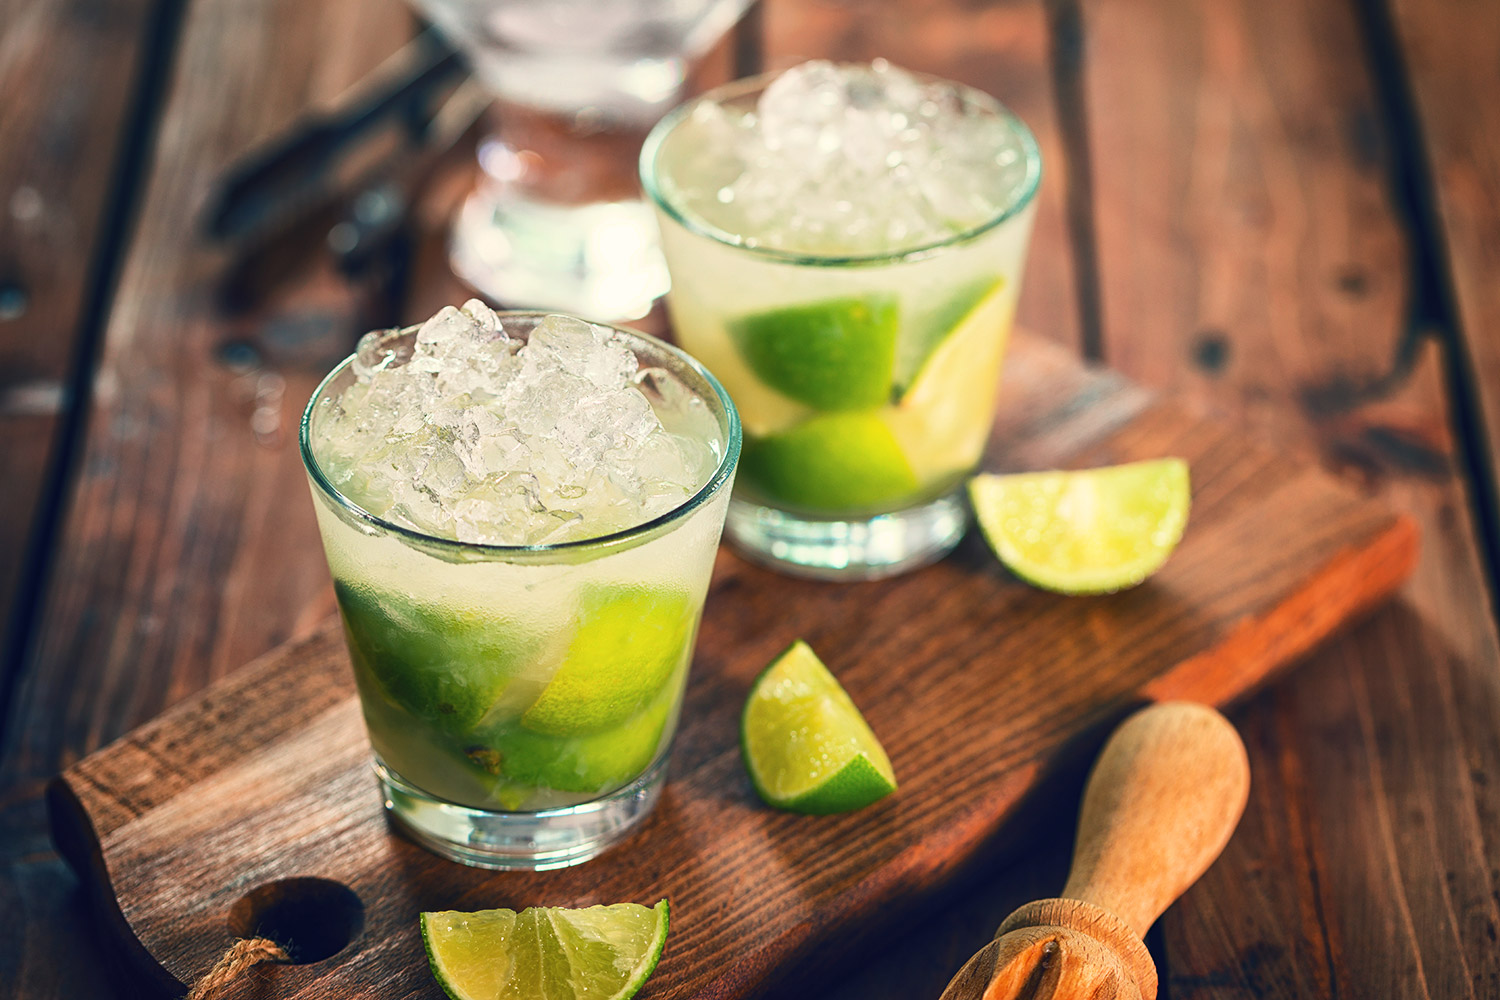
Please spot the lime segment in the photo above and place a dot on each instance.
(545, 953)
(806, 746)
(930, 330)
(589, 764)
(835, 462)
(943, 419)
(445, 665)
(628, 643)
(833, 355)
(1088, 532)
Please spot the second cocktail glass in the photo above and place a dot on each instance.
(860, 330)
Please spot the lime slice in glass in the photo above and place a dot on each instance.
(929, 330)
(589, 764)
(545, 953)
(627, 644)
(832, 463)
(1089, 532)
(833, 355)
(445, 665)
(806, 746)
(943, 419)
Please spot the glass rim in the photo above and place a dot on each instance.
(623, 538)
(651, 149)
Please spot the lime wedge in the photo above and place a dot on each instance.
(445, 665)
(806, 746)
(832, 463)
(589, 764)
(1089, 532)
(628, 643)
(927, 331)
(833, 355)
(545, 953)
(943, 420)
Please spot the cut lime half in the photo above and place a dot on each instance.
(831, 463)
(545, 953)
(832, 355)
(628, 643)
(806, 746)
(943, 420)
(1093, 531)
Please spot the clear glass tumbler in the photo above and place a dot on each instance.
(557, 220)
(867, 383)
(521, 700)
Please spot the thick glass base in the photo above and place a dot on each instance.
(528, 841)
(848, 550)
(601, 261)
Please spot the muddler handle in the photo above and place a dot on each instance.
(1161, 803)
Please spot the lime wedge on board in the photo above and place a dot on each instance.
(806, 746)
(545, 953)
(1094, 531)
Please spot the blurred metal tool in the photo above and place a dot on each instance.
(271, 186)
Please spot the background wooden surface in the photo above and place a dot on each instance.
(1287, 209)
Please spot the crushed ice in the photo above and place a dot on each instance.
(850, 159)
(467, 432)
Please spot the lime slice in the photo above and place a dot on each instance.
(627, 644)
(833, 355)
(832, 463)
(806, 746)
(927, 331)
(943, 420)
(590, 764)
(1089, 532)
(445, 665)
(545, 953)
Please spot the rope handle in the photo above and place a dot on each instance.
(242, 956)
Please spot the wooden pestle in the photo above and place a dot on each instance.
(1161, 803)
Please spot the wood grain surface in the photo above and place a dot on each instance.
(177, 554)
(267, 777)
(1446, 50)
(69, 71)
(1256, 255)
(1259, 143)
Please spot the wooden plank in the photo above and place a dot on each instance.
(68, 71)
(1449, 54)
(183, 550)
(268, 776)
(1250, 257)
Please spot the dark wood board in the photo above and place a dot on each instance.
(980, 687)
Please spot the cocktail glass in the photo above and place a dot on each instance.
(521, 700)
(557, 220)
(867, 382)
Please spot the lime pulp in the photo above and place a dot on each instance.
(545, 953)
(1092, 531)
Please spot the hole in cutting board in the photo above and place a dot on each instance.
(312, 918)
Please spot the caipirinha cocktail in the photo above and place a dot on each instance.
(520, 514)
(846, 246)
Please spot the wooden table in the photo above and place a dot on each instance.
(1288, 209)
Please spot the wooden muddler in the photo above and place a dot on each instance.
(1161, 803)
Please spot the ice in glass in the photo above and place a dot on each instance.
(520, 514)
(846, 245)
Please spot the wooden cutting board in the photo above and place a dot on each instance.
(979, 686)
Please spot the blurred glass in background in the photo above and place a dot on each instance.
(556, 220)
